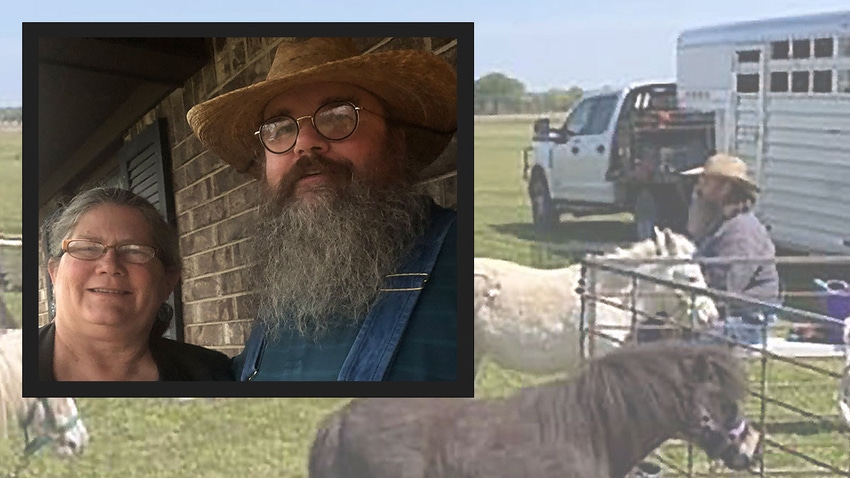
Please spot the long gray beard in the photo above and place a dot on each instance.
(321, 261)
(702, 215)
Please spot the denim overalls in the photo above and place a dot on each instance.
(380, 333)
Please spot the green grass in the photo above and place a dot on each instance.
(271, 437)
(503, 227)
(164, 438)
(10, 216)
(503, 230)
(10, 182)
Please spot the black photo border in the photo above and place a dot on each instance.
(462, 387)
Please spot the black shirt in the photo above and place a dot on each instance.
(174, 360)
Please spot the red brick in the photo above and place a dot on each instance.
(209, 213)
(227, 180)
(244, 198)
(203, 288)
(234, 281)
(236, 228)
(198, 241)
(209, 311)
(193, 195)
(212, 261)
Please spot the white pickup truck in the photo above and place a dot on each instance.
(618, 151)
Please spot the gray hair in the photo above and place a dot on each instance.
(164, 236)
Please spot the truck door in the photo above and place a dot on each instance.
(580, 163)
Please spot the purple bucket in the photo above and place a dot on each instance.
(835, 301)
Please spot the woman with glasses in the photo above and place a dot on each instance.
(114, 264)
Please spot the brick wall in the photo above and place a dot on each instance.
(216, 206)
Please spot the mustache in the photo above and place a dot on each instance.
(341, 170)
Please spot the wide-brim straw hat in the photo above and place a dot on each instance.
(726, 166)
(418, 89)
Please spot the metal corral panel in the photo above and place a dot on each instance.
(806, 172)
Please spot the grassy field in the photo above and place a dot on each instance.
(10, 215)
(271, 437)
(503, 230)
(10, 264)
(10, 182)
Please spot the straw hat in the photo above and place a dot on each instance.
(725, 166)
(417, 87)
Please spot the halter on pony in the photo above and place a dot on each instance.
(52, 428)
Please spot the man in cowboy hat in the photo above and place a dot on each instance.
(723, 225)
(356, 272)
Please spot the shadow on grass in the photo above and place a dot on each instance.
(805, 428)
(574, 238)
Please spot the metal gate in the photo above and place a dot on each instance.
(793, 385)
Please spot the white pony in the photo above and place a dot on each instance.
(844, 384)
(44, 421)
(528, 319)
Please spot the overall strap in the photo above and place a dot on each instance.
(253, 349)
(381, 332)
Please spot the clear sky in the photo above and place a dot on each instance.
(543, 43)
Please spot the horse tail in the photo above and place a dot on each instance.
(325, 447)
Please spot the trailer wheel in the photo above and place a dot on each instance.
(542, 211)
(646, 214)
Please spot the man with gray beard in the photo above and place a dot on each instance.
(355, 272)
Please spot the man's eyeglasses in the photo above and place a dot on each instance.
(92, 250)
(334, 121)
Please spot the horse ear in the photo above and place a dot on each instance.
(660, 243)
(672, 246)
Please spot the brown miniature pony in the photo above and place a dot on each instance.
(618, 410)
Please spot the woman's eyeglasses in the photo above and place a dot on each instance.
(92, 250)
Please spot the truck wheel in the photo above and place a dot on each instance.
(646, 215)
(542, 211)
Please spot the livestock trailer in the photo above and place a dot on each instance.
(780, 93)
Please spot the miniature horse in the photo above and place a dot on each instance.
(602, 423)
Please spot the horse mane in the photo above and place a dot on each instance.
(670, 243)
(640, 386)
(10, 375)
(638, 250)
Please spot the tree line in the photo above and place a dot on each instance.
(497, 93)
(14, 115)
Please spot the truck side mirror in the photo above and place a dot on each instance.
(541, 127)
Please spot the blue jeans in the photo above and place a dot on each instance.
(746, 329)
